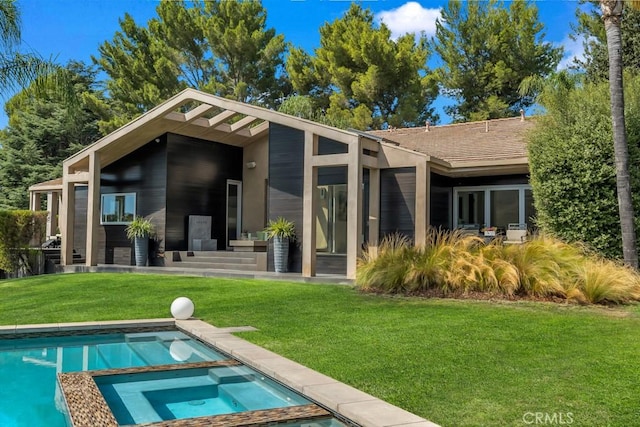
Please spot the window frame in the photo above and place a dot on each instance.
(487, 200)
(114, 195)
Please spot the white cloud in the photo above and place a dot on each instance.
(411, 17)
(573, 49)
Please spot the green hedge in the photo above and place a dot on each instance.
(573, 173)
(18, 229)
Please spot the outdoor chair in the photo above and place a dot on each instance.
(516, 234)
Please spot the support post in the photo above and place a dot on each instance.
(374, 210)
(309, 206)
(68, 218)
(354, 207)
(53, 206)
(93, 209)
(421, 215)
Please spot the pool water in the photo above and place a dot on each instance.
(187, 393)
(29, 392)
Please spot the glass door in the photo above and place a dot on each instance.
(331, 219)
(234, 210)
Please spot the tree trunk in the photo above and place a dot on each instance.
(612, 14)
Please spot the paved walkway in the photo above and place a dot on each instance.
(211, 272)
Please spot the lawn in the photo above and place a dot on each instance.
(457, 363)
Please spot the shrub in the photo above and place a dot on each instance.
(572, 166)
(18, 230)
(451, 263)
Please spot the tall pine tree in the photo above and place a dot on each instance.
(361, 77)
(487, 50)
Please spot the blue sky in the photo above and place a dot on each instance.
(73, 29)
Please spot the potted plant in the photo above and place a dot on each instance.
(139, 231)
(281, 231)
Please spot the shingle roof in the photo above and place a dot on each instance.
(499, 139)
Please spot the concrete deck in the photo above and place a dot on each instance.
(335, 279)
(357, 406)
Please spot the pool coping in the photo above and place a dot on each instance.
(353, 404)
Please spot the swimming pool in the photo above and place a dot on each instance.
(31, 356)
(30, 396)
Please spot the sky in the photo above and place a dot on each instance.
(74, 29)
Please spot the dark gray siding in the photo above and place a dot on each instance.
(397, 201)
(286, 181)
(143, 172)
(197, 185)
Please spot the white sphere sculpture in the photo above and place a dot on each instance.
(182, 308)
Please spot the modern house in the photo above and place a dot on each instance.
(198, 155)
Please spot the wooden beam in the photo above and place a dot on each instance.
(370, 162)
(331, 160)
(309, 206)
(242, 123)
(197, 112)
(221, 118)
(258, 130)
(78, 177)
(93, 209)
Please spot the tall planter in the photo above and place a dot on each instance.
(281, 254)
(281, 231)
(141, 246)
(139, 231)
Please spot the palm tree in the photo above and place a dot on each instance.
(612, 15)
(20, 70)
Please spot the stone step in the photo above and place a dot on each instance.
(215, 260)
(217, 266)
(218, 254)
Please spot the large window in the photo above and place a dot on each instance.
(118, 208)
(494, 205)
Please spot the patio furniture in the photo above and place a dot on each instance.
(516, 234)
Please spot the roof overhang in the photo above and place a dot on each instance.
(199, 115)
(460, 169)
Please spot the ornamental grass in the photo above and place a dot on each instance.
(454, 264)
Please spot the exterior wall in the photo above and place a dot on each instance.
(254, 186)
(285, 198)
(143, 172)
(286, 172)
(197, 173)
(398, 201)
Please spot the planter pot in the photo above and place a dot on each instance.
(280, 254)
(141, 245)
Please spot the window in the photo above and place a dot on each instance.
(493, 205)
(118, 208)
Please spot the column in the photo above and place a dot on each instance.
(309, 206)
(354, 207)
(374, 210)
(93, 209)
(67, 215)
(421, 215)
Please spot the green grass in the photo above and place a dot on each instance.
(457, 363)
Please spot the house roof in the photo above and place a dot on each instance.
(498, 141)
(51, 185)
(200, 115)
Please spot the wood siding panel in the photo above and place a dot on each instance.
(143, 172)
(198, 171)
(80, 221)
(397, 201)
(286, 172)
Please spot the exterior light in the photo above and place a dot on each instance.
(182, 308)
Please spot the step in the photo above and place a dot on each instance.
(217, 266)
(219, 254)
(215, 260)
